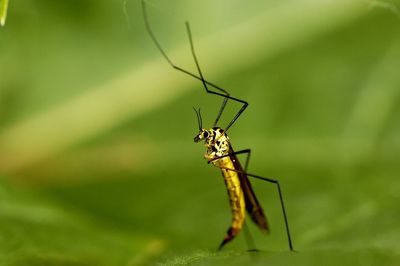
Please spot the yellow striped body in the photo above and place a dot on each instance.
(219, 153)
(235, 192)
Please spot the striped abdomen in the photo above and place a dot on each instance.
(236, 198)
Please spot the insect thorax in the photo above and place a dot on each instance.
(216, 141)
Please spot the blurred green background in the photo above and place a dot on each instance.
(97, 160)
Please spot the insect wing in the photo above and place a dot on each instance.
(253, 207)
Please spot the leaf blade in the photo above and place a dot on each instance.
(3, 11)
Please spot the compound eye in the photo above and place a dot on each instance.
(205, 134)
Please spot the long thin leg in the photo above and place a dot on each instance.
(249, 238)
(276, 182)
(221, 109)
(226, 96)
(222, 93)
(248, 151)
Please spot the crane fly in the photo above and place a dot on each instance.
(221, 154)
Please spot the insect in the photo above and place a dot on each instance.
(220, 153)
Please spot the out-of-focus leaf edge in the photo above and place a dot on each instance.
(3, 11)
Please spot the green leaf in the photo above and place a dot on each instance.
(3, 11)
(96, 131)
(35, 231)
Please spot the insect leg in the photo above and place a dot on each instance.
(276, 182)
(157, 43)
(248, 151)
(247, 233)
(249, 238)
(220, 92)
(226, 96)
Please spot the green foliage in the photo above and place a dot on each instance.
(3, 11)
(96, 131)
